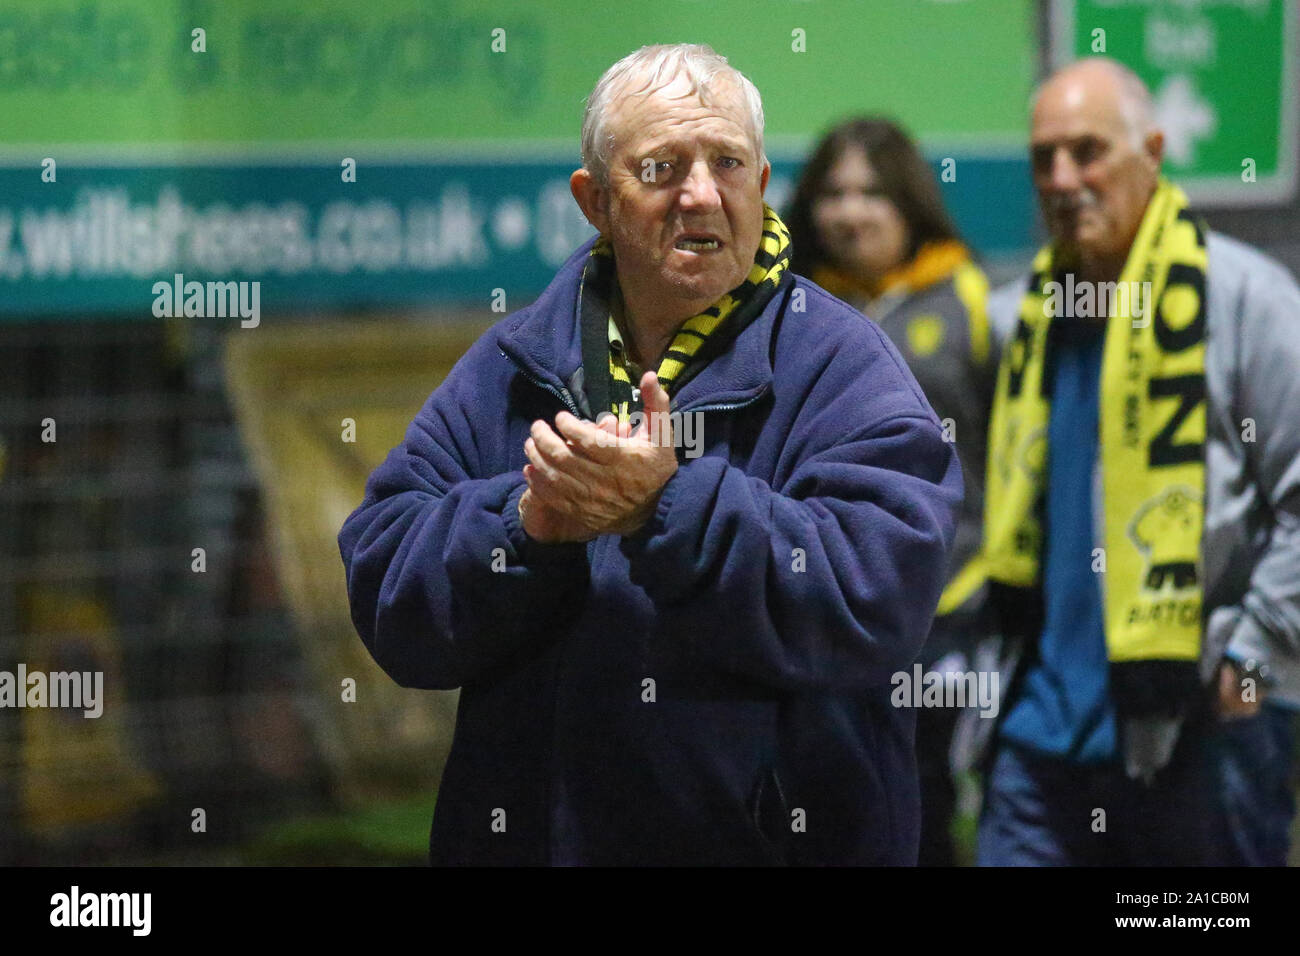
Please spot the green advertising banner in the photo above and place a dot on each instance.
(394, 74)
(355, 153)
(1223, 77)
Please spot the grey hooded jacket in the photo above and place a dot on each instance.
(1250, 546)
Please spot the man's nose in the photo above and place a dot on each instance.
(700, 191)
(1065, 173)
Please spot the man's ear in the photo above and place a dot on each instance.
(592, 198)
(1154, 146)
(763, 178)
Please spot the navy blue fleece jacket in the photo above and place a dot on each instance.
(714, 689)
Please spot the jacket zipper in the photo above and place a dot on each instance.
(549, 848)
(724, 406)
(563, 394)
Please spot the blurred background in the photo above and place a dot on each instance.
(388, 172)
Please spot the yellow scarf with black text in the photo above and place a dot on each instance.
(1152, 436)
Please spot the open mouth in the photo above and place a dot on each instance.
(697, 244)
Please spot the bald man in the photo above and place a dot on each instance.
(1142, 514)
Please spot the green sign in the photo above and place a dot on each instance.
(1223, 77)
(365, 153)
(382, 78)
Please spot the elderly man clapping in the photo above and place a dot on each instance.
(666, 659)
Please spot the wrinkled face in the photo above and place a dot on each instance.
(685, 194)
(860, 228)
(1093, 180)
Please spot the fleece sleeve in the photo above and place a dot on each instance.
(443, 582)
(1265, 625)
(829, 581)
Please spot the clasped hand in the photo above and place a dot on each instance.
(586, 479)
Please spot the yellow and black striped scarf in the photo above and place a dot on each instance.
(1152, 435)
(698, 340)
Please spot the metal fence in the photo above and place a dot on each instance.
(120, 459)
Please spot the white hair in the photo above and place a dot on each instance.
(661, 64)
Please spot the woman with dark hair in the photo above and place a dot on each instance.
(867, 223)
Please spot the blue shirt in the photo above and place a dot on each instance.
(1063, 709)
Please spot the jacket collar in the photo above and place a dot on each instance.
(545, 341)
